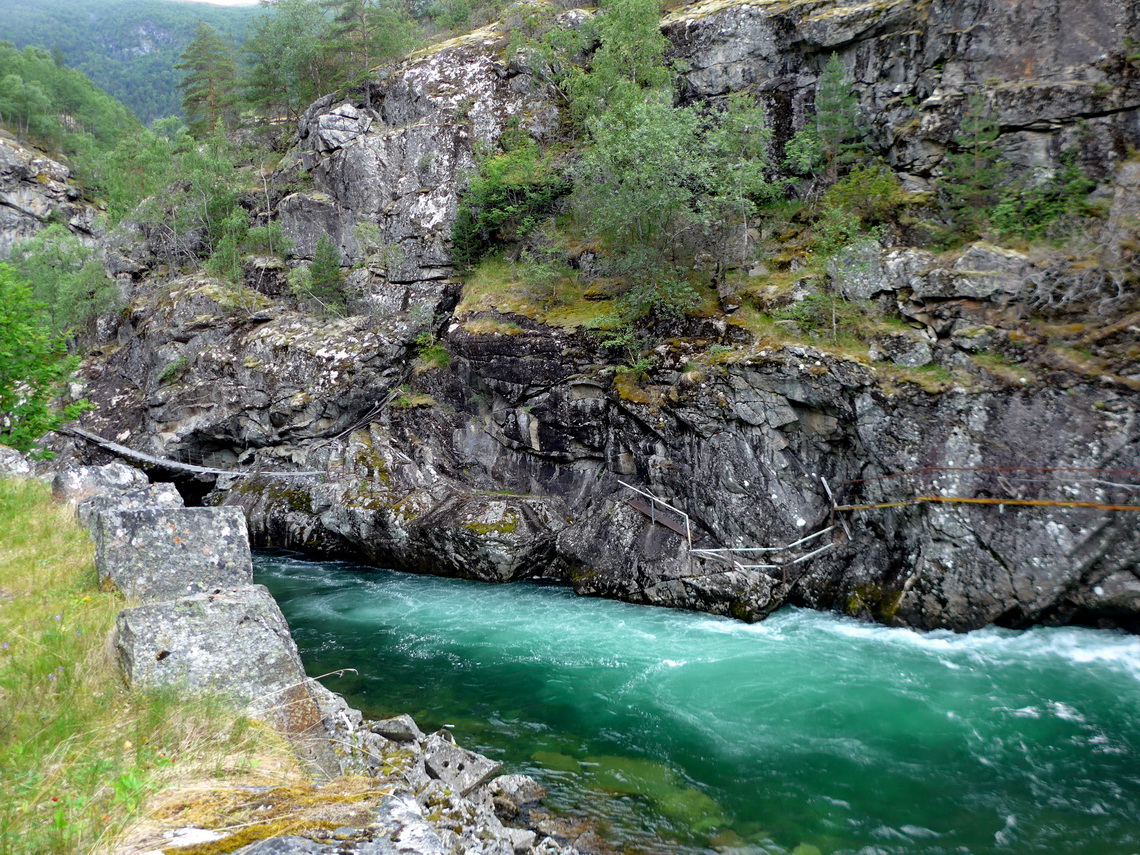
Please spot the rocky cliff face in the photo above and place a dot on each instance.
(1058, 72)
(505, 462)
(34, 189)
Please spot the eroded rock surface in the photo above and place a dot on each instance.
(505, 462)
(34, 188)
(233, 643)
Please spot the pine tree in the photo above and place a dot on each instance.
(829, 141)
(972, 174)
(289, 66)
(210, 81)
(368, 32)
(326, 283)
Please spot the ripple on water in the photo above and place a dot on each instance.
(684, 731)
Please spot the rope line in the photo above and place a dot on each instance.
(990, 469)
(1050, 503)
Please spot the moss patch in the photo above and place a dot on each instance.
(881, 602)
(250, 816)
(506, 524)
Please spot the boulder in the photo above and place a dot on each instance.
(511, 794)
(234, 643)
(459, 769)
(401, 827)
(982, 272)
(15, 464)
(909, 349)
(857, 271)
(162, 495)
(519, 790)
(402, 728)
(78, 483)
(157, 554)
(976, 338)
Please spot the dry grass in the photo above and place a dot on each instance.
(79, 754)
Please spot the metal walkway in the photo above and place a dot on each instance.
(735, 559)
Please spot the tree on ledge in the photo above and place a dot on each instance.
(209, 86)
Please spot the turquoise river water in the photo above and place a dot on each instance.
(807, 733)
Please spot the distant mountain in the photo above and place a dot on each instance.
(127, 47)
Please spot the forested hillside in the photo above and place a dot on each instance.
(128, 48)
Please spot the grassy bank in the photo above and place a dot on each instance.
(79, 754)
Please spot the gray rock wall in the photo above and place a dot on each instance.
(505, 463)
(34, 188)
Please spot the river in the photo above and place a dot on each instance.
(807, 733)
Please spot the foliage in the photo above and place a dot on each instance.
(972, 173)
(205, 195)
(136, 168)
(66, 277)
(635, 184)
(127, 47)
(364, 33)
(510, 194)
(629, 61)
(431, 353)
(289, 64)
(57, 107)
(870, 192)
(79, 755)
(737, 146)
(1033, 211)
(831, 139)
(268, 240)
(209, 84)
(323, 280)
(225, 260)
(34, 366)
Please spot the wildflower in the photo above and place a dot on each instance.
(4, 646)
(55, 798)
(59, 617)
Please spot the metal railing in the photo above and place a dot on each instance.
(654, 502)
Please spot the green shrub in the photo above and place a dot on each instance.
(508, 197)
(1032, 212)
(431, 352)
(323, 280)
(972, 172)
(268, 240)
(66, 277)
(34, 367)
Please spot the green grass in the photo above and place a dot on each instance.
(79, 754)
